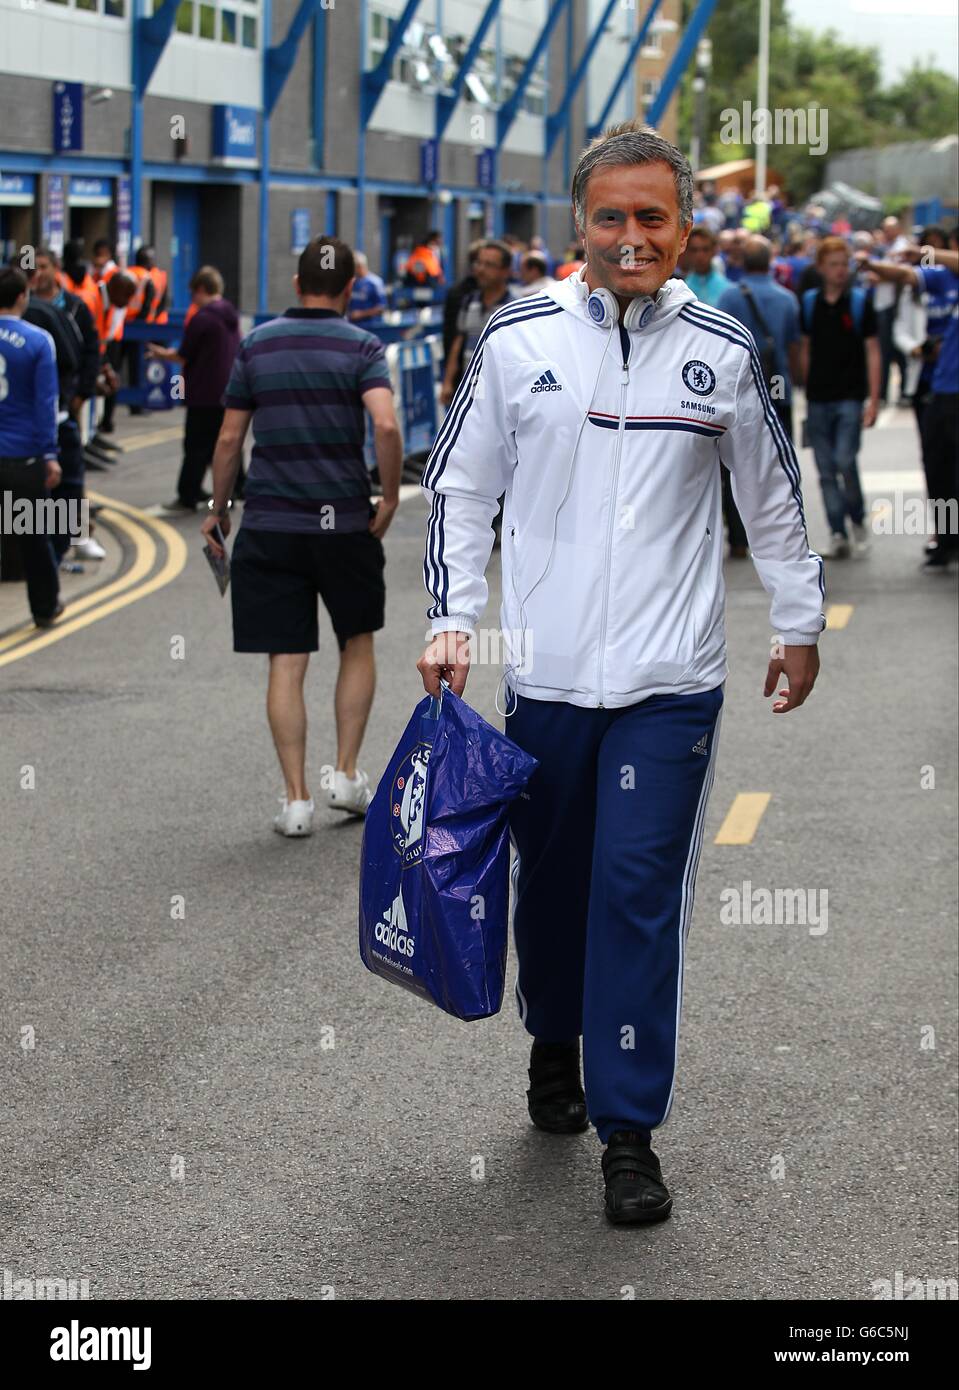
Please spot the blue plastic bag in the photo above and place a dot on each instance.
(434, 885)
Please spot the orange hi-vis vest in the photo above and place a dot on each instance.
(158, 311)
(87, 290)
(424, 265)
(135, 307)
(108, 318)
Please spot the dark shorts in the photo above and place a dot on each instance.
(275, 577)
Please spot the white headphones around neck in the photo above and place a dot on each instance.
(603, 307)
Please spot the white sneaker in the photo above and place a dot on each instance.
(839, 549)
(295, 818)
(860, 538)
(88, 549)
(352, 795)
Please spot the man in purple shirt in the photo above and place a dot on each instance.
(209, 345)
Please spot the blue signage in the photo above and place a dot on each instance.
(91, 193)
(67, 117)
(124, 213)
(234, 134)
(418, 395)
(484, 168)
(429, 161)
(53, 218)
(17, 190)
(301, 225)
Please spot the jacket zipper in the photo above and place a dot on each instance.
(624, 383)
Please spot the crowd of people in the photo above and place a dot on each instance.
(847, 315)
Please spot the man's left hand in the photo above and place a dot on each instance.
(800, 666)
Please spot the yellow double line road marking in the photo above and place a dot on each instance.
(128, 588)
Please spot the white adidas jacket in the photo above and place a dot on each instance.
(612, 525)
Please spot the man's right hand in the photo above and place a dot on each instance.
(447, 393)
(446, 658)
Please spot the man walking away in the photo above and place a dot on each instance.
(840, 366)
(771, 314)
(206, 352)
(68, 321)
(309, 526)
(29, 391)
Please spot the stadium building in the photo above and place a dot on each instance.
(231, 131)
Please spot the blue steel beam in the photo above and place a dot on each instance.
(701, 17)
(319, 86)
(556, 122)
(510, 109)
(373, 82)
(150, 36)
(446, 104)
(279, 60)
(638, 39)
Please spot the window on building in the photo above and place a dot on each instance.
(651, 87)
(115, 8)
(206, 19)
(652, 46)
(429, 60)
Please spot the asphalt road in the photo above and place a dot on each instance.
(811, 1149)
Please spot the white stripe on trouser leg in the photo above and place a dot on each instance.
(514, 883)
(689, 891)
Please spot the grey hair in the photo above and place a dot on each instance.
(632, 143)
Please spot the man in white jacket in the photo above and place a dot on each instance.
(602, 408)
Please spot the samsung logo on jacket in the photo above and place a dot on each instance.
(612, 529)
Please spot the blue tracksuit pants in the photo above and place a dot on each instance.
(607, 840)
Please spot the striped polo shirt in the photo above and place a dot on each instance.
(303, 376)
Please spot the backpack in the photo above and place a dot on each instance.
(66, 335)
(857, 297)
(767, 343)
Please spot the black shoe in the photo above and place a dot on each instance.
(555, 1096)
(635, 1191)
(48, 622)
(106, 427)
(101, 442)
(97, 451)
(94, 462)
(177, 508)
(938, 559)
